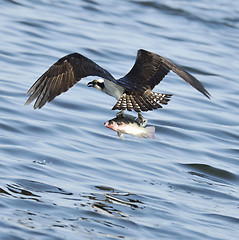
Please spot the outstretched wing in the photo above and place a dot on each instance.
(150, 69)
(62, 75)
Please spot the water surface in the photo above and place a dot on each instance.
(63, 175)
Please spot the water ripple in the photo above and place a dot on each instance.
(65, 176)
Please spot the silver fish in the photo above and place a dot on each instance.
(130, 125)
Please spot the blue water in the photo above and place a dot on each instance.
(63, 175)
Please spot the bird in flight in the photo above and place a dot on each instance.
(132, 92)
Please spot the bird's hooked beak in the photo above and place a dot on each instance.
(97, 84)
(91, 84)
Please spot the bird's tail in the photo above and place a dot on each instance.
(149, 100)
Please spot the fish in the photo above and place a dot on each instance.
(130, 125)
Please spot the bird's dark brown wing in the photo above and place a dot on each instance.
(150, 69)
(62, 75)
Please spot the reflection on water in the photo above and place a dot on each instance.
(63, 175)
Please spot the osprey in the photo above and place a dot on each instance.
(132, 92)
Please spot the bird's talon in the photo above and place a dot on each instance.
(142, 121)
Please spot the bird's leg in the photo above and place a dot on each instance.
(120, 114)
(142, 121)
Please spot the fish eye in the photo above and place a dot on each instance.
(110, 122)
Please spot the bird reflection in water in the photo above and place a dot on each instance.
(109, 204)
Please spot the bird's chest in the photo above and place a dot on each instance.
(113, 89)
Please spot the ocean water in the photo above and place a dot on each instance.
(64, 175)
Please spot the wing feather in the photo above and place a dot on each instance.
(62, 75)
(150, 69)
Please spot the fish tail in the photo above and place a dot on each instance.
(150, 132)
